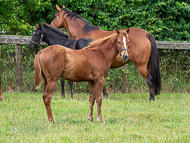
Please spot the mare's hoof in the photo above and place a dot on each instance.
(2, 99)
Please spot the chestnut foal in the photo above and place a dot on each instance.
(89, 64)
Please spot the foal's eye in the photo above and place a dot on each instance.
(119, 42)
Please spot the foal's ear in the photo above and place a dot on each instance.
(127, 30)
(58, 8)
(117, 30)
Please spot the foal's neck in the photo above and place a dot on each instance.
(109, 49)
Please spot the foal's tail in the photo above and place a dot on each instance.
(37, 68)
(153, 65)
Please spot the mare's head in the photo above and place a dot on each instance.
(58, 21)
(36, 38)
(122, 43)
(60, 18)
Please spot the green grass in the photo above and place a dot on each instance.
(126, 118)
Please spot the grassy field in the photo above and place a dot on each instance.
(126, 118)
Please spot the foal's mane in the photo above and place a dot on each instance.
(87, 27)
(99, 41)
(55, 30)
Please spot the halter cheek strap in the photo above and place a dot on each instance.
(37, 43)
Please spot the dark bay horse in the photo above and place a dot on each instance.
(53, 36)
(89, 64)
(142, 47)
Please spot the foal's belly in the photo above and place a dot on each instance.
(77, 75)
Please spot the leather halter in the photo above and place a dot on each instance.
(37, 43)
(120, 50)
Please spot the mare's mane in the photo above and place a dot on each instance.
(55, 30)
(87, 27)
(100, 41)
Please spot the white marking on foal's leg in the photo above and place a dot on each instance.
(89, 118)
(98, 119)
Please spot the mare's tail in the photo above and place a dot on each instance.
(153, 65)
(37, 68)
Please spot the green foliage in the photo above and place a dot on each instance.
(167, 20)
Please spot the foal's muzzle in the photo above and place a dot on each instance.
(124, 55)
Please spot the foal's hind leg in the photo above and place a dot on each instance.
(71, 87)
(145, 74)
(91, 100)
(47, 96)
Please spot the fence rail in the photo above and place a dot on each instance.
(21, 40)
(160, 44)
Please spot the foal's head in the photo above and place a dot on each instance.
(36, 38)
(122, 43)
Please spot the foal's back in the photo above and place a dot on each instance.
(73, 65)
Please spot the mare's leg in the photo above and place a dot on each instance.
(71, 87)
(145, 74)
(62, 87)
(99, 88)
(91, 100)
(151, 89)
(105, 92)
(47, 96)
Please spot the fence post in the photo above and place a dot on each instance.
(124, 77)
(1, 95)
(18, 68)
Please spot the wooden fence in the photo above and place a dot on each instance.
(21, 40)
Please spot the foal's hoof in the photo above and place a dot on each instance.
(90, 119)
(1, 98)
(63, 95)
(51, 121)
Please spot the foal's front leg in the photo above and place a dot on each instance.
(99, 88)
(91, 100)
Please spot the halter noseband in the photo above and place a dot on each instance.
(37, 43)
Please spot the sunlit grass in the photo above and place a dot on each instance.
(126, 118)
